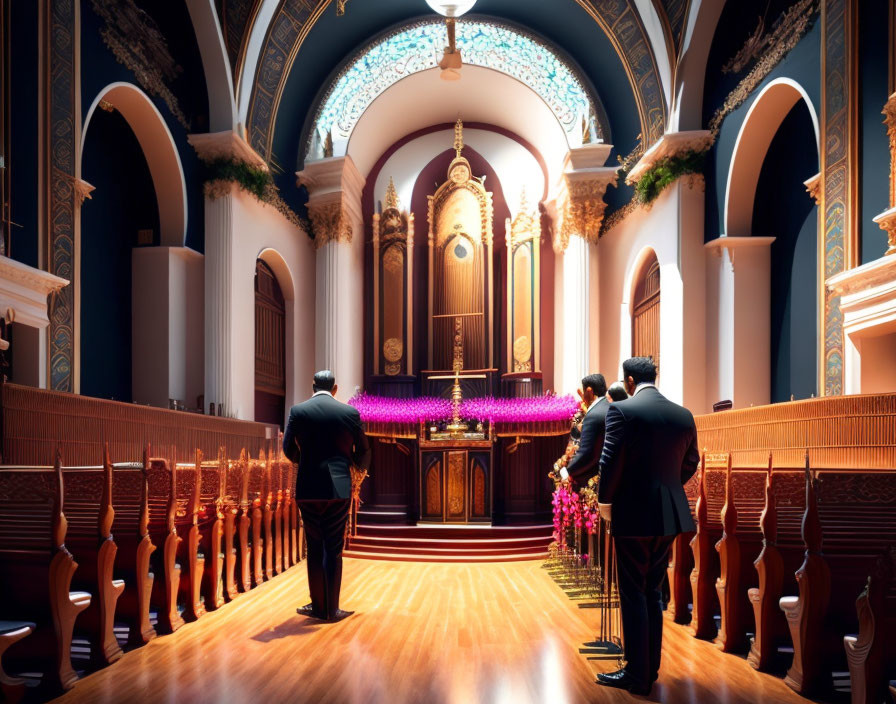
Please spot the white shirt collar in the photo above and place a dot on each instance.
(644, 385)
(318, 393)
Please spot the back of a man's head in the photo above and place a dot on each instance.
(617, 391)
(596, 383)
(324, 380)
(640, 369)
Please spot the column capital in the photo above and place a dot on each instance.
(225, 145)
(734, 244)
(813, 187)
(334, 198)
(887, 222)
(669, 145)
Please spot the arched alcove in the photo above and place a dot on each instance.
(274, 337)
(158, 149)
(121, 216)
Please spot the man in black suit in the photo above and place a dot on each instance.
(650, 452)
(584, 463)
(325, 437)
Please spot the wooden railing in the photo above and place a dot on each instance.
(840, 432)
(34, 422)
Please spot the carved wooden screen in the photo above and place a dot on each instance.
(523, 292)
(270, 347)
(460, 241)
(646, 313)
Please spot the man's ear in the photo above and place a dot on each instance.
(334, 389)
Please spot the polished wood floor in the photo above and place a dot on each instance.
(429, 633)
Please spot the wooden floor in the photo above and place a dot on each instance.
(429, 633)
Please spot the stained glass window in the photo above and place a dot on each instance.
(481, 43)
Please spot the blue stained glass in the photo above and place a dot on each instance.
(481, 43)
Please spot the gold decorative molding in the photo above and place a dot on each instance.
(525, 226)
(889, 113)
(391, 200)
(583, 205)
(330, 223)
(83, 190)
(887, 222)
(813, 187)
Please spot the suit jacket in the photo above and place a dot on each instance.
(584, 463)
(650, 452)
(325, 437)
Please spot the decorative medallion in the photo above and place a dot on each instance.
(393, 349)
(522, 349)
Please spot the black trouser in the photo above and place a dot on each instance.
(324, 523)
(642, 563)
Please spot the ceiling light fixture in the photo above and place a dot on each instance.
(451, 60)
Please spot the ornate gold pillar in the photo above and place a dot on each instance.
(839, 242)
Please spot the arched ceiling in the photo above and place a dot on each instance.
(306, 39)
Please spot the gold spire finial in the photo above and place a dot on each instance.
(459, 136)
(391, 195)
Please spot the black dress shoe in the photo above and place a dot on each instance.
(340, 615)
(308, 610)
(623, 680)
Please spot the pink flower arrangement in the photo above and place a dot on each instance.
(539, 409)
(567, 512)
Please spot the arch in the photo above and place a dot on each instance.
(641, 260)
(159, 150)
(286, 281)
(216, 65)
(759, 127)
(690, 74)
(413, 49)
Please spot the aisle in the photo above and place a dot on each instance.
(423, 632)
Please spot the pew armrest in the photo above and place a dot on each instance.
(789, 604)
(80, 600)
(12, 632)
(753, 595)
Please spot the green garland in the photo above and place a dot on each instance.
(666, 171)
(255, 181)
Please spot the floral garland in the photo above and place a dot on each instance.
(665, 172)
(539, 409)
(221, 173)
(567, 511)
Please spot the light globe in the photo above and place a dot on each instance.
(451, 8)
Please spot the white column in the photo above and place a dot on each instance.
(334, 205)
(738, 316)
(218, 304)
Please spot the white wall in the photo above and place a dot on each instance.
(258, 227)
(167, 298)
(673, 229)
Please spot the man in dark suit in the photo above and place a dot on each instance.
(325, 437)
(650, 452)
(584, 463)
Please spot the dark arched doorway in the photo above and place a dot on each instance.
(270, 347)
(646, 312)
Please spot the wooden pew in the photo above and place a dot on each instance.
(277, 508)
(211, 530)
(162, 501)
(872, 653)
(12, 688)
(850, 521)
(739, 546)
(88, 509)
(130, 527)
(710, 500)
(776, 565)
(236, 544)
(36, 572)
(255, 501)
(267, 518)
(681, 562)
(191, 559)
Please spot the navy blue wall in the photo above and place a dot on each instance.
(800, 65)
(783, 210)
(23, 157)
(874, 145)
(123, 203)
(99, 68)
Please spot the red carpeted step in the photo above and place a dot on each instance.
(451, 543)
